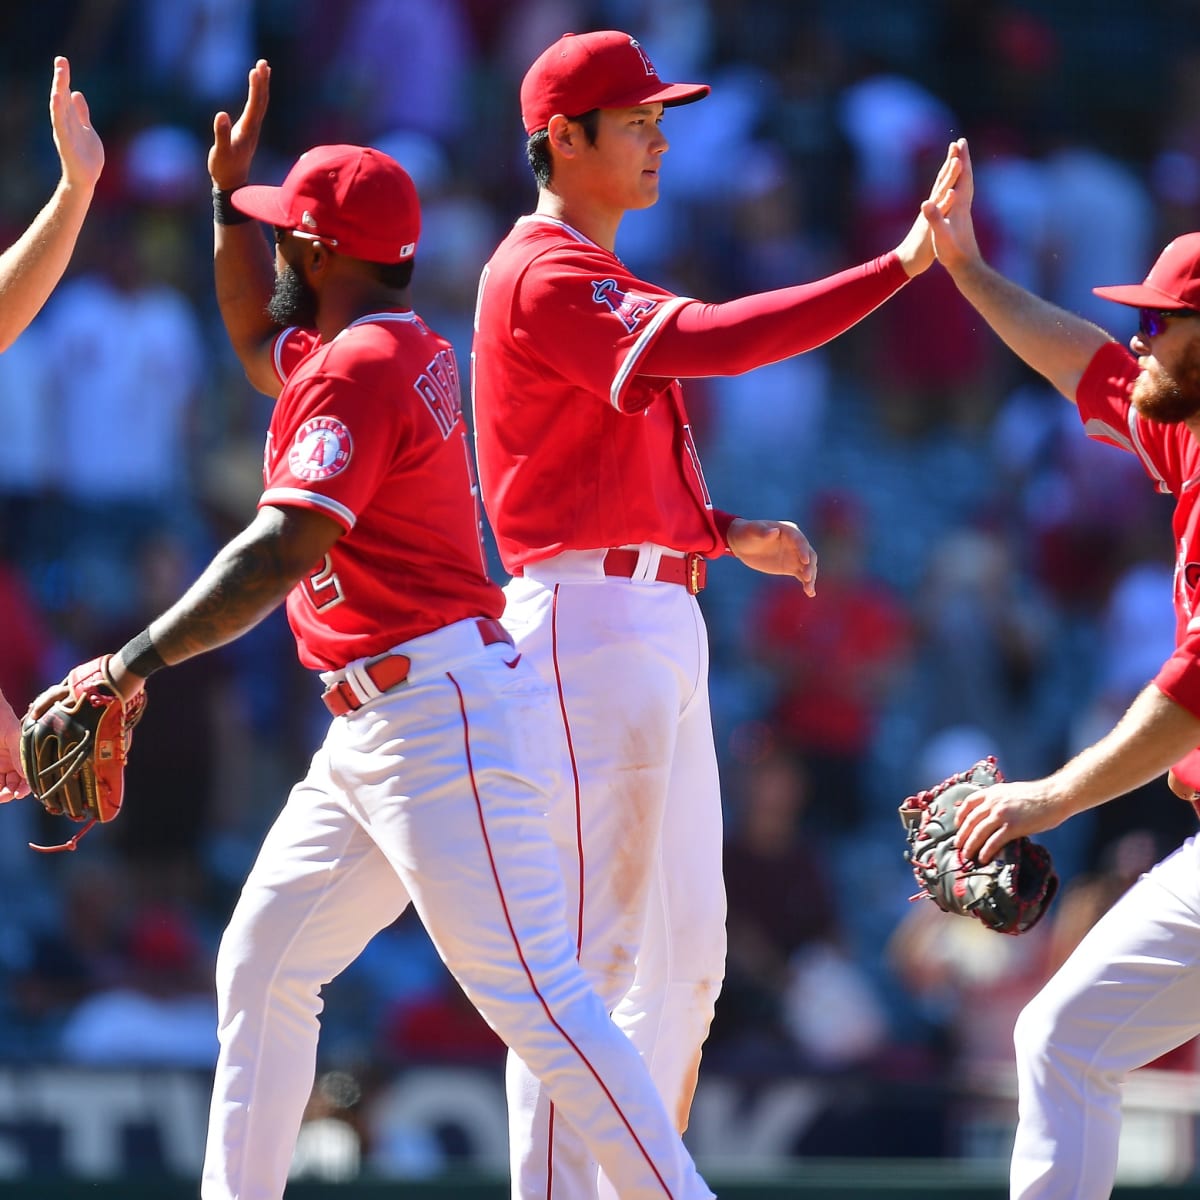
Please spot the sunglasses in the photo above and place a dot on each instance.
(1153, 321)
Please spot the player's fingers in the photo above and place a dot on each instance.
(46, 699)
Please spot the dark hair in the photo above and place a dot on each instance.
(396, 276)
(537, 149)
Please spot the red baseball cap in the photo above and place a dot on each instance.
(583, 71)
(1173, 282)
(356, 199)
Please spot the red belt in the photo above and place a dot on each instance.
(390, 670)
(690, 571)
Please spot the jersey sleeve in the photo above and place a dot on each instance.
(334, 443)
(291, 347)
(729, 339)
(1108, 416)
(592, 323)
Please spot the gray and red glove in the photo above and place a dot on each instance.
(1010, 894)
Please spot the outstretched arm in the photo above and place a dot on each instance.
(246, 581)
(703, 340)
(1154, 733)
(1054, 342)
(242, 260)
(32, 266)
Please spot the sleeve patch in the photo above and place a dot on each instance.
(321, 448)
(628, 306)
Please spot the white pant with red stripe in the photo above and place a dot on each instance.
(434, 793)
(1128, 993)
(639, 830)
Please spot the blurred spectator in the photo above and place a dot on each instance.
(159, 1011)
(793, 998)
(126, 375)
(832, 660)
(187, 774)
(986, 648)
(329, 1146)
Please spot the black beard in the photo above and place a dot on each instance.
(292, 302)
(1173, 398)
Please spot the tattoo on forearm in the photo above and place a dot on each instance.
(242, 585)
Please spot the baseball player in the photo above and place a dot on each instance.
(29, 270)
(432, 784)
(593, 486)
(1131, 990)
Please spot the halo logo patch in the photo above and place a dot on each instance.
(321, 448)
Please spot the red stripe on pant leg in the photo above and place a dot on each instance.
(562, 708)
(521, 954)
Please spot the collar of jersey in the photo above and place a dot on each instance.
(536, 218)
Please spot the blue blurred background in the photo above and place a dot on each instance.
(991, 582)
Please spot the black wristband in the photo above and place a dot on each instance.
(223, 211)
(140, 657)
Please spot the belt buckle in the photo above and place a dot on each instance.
(694, 571)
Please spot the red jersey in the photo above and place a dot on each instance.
(368, 430)
(584, 442)
(1170, 455)
(577, 451)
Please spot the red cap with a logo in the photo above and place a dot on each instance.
(582, 71)
(1173, 282)
(356, 199)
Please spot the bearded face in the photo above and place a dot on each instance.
(1170, 397)
(292, 302)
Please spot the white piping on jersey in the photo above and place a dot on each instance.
(1141, 453)
(408, 316)
(648, 334)
(640, 346)
(280, 338)
(1133, 444)
(286, 496)
(535, 218)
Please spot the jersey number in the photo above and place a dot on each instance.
(323, 588)
(474, 480)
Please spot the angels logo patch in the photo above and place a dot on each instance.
(320, 449)
(626, 305)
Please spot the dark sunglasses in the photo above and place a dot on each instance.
(1153, 321)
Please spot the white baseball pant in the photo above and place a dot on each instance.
(433, 793)
(1129, 993)
(639, 832)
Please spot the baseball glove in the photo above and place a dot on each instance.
(1009, 894)
(73, 755)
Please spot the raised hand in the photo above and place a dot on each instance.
(235, 143)
(951, 224)
(916, 252)
(79, 145)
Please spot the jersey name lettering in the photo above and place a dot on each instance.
(630, 308)
(438, 386)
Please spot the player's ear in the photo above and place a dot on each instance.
(565, 136)
(317, 258)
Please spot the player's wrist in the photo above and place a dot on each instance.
(223, 211)
(138, 657)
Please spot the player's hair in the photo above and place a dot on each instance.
(537, 149)
(394, 275)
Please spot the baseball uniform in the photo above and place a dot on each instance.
(1131, 990)
(594, 488)
(431, 786)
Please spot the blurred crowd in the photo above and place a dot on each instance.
(991, 581)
